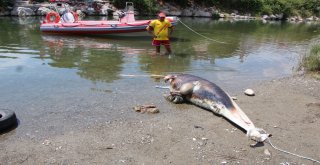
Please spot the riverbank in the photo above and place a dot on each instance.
(106, 8)
(288, 108)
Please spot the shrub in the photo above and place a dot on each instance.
(4, 3)
(312, 60)
(266, 9)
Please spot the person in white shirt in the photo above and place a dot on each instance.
(67, 17)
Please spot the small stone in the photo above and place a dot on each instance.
(146, 108)
(59, 148)
(267, 152)
(153, 110)
(137, 108)
(196, 126)
(46, 142)
(249, 92)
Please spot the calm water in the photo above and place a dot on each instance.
(41, 74)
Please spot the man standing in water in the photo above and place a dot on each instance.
(161, 29)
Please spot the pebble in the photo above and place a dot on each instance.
(46, 142)
(267, 152)
(146, 108)
(249, 92)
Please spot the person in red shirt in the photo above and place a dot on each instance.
(161, 29)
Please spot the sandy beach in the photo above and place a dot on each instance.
(288, 108)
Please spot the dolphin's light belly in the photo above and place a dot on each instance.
(211, 105)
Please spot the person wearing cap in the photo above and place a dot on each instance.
(161, 29)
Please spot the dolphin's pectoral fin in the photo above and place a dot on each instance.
(174, 98)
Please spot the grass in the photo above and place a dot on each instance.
(311, 62)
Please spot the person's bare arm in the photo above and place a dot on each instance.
(150, 31)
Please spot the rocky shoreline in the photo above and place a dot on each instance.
(22, 8)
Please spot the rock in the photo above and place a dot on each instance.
(249, 92)
(221, 16)
(46, 142)
(309, 19)
(146, 108)
(265, 17)
(172, 8)
(200, 13)
(293, 19)
(267, 152)
(22, 11)
(196, 126)
(43, 11)
(153, 110)
(187, 12)
(272, 17)
(175, 13)
(279, 16)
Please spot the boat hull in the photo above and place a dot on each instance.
(96, 27)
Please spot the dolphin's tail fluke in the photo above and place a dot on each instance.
(237, 116)
(257, 134)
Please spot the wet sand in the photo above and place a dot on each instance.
(288, 108)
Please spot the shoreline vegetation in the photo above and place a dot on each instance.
(311, 61)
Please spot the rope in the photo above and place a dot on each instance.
(287, 152)
(199, 33)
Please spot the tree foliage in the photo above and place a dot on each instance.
(304, 8)
(4, 3)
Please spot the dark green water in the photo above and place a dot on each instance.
(48, 73)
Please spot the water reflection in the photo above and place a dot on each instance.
(96, 61)
(242, 37)
(250, 45)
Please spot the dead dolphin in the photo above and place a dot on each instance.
(203, 93)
